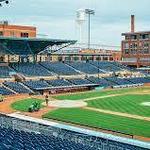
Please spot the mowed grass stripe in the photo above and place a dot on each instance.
(131, 104)
(101, 120)
(91, 94)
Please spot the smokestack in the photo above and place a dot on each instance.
(132, 23)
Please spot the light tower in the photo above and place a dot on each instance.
(80, 19)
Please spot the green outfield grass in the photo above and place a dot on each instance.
(90, 94)
(23, 105)
(127, 104)
(101, 120)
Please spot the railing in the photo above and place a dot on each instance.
(73, 136)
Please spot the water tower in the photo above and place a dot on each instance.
(80, 19)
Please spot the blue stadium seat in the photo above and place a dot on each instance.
(106, 66)
(17, 87)
(37, 84)
(4, 91)
(4, 71)
(59, 83)
(85, 67)
(101, 81)
(31, 69)
(79, 81)
(59, 68)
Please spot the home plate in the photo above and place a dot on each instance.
(66, 103)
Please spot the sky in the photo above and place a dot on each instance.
(56, 18)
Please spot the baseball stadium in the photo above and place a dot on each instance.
(55, 95)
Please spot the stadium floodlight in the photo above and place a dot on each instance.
(89, 12)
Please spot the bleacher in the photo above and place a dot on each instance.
(79, 81)
(4, 91)
(19, 140)
(17, 87)
(85, 67)
(59, 68)
(101, 81)
(31, 69)
(139, 80)
(106, 66)
(37, 85)
(119, 81)
(59, 83)
(4, 71)
(50, 69)
(19, 132)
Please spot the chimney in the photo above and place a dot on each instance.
(132, 23)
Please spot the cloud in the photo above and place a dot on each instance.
(56, 18)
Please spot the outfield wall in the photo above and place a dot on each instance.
(98, 140)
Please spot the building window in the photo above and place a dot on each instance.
(134, 37)
(126, 45)
(24, 34)
(1, 33)
(126, 51)
(12, 34)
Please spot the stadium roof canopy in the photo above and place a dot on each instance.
(31, 46)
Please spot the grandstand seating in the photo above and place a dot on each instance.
(65, 68)
(4, 91)
(85, 67)
(59, 82)
(139, 80)
(4, 71)
(18, 140)
(79, 81)
(17, 87)
(31, 69)
(106, 66)
(25, 136)
(119, 81)
(59, 68)
(37, 85)
(101, 81)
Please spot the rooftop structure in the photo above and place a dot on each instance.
(136, 47)
(8, 30)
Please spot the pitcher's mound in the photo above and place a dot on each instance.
(66, 104)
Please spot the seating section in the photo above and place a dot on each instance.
(4, 91)
(17, 87)
(59, 68)
(101, 81)
(37, 85)
(31, 69)
(19, 140)
(119, 81)
(139, 80)
(106, 66)
(81, 81)
(4, 71)
(59, 83)
(85, 67)
(48, 69)
(124, 67)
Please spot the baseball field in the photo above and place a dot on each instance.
(121, 110)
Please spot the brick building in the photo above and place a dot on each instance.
(136, 47)
(7, 30)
